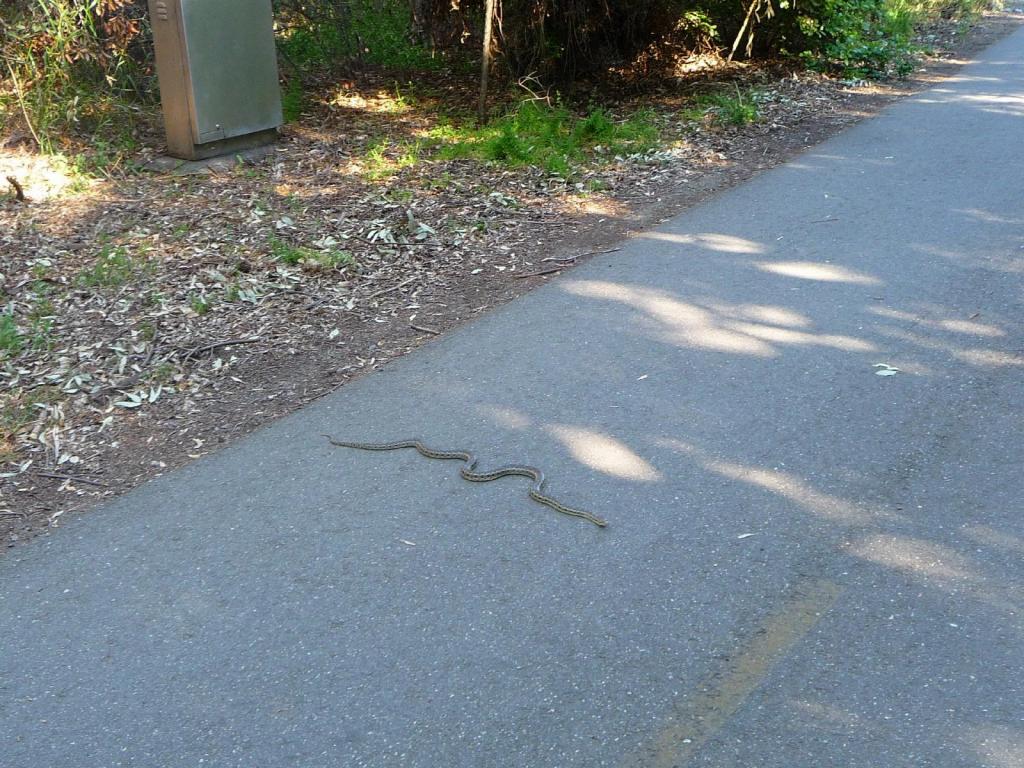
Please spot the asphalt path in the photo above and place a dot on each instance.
(806, 563)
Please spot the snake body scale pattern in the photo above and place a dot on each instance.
(468, 472)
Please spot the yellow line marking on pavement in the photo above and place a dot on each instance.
(699, 718)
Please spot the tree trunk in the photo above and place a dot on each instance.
(485, 66)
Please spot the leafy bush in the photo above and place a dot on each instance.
(860, 38)
(71, 66)
(376, 32)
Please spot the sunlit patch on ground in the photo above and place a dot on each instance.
(604, 453)
(43, 177)
(818, 272)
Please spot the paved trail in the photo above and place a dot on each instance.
(807, 564)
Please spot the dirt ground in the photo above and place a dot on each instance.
(175, 313)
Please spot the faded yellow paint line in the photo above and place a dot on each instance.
(700, 717)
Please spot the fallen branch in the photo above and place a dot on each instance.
(424, 329)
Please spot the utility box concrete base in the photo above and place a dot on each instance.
(217, 65)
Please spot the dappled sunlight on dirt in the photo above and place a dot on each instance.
(379, 102)
(595, 205)
(43, 177)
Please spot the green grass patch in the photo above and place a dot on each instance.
(737, 108)
(200, 304)
(161, 374)
(114, 268)
(383, 160)
(547, 137)
(300, 255)
(11, 341)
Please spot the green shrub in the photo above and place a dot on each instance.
(73, 66)
(374, 31)
(862, 38)
(11, 342)
(293, 99)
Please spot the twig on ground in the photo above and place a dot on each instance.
(548, 271)
(217, 345)
(392, 288)
(319, 302)
(424, 329)
(72, 478)
(19, 191)
(152, 346)
(22, 515)
(588, 253)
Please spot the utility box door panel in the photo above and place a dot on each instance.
(232, 66)
(218, 74)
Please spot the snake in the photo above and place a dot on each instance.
(468, 472)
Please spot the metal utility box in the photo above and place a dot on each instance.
(217, 65)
